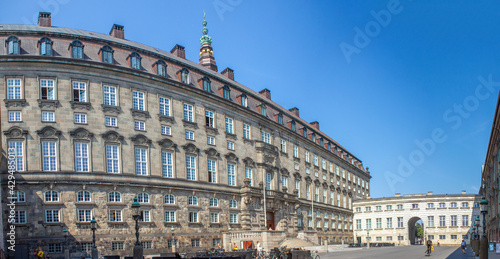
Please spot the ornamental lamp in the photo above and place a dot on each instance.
(93, 224)
(136, 208)
(484, 205)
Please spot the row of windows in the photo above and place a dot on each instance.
(416, 206)
(441, 222)
(134, 59)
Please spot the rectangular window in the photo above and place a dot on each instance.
(55, 248)
(453, 220)
(295, 151)
(230, 145)
(389, 222)
(167, 164)
(465, 204)
(115, 215)
(117, 246)
(308, 192)
(212, 171)
(210, 140)
(315, 160)
(283, 145)
(47, 89)
(414, 206)
(112, 159)
(442, 221)
(138, 101)
(193, 217)
(84, 215)
(15, 116)
(209, 119)
(379, 222)
(52, 216)
(140, 125)
(308, 171)
(233, 218)
(453, 236)
(368, 223)
(465, 220)
(214, 217)
(48, 116)
(325, 199)
(18, 148)
(169, 216)
(400, 222)
(111, 121)
(248, 174)
(442, 237)
(189, 135)
(188, 112)
(316, 193)
(430, 205)
(141, 159)
(358, 224)
(244, 102)
(147, 244)
(79, 92)
(442, 205)
(284, 181)
(166, 130)
(430, 221)
(229, 125)
(81, 118)
(14, 88)
(49, 156)
(145, 216)
(266, 137)
(231, 174)
(164, 106)
(297, 187)
(20, 217)
(306, 156)
(85, 247)
(109, 95)
(378, 208)
(268, 181)
(399, 206)
(191, 168)
(246, 131)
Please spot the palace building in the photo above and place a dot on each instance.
(91, 121)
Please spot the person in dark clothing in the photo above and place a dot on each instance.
(429, 245)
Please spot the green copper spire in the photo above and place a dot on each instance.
(205, 38)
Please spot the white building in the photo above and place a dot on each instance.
(446, 218)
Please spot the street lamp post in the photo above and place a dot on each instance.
(66, 249)
(173, 239)
(476, 236)
(136, 215)
(484, 239)
(399, 238)
(368, 239)
(93, 226)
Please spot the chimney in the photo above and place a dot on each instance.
(117, 31)
(315, 124)
(266, 93)
(44, 19)
(179, 51)
(229, 73)
(295, 111)
(397, 195)
(464, 192)
(429, 193)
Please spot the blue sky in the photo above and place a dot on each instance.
(379, 76)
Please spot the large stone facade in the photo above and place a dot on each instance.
(196, 148)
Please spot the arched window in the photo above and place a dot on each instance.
(226, 92)
(192, 200)
(206, 84)
(169, 199)
(51, 196)
(45, 46)
(114, 197)
(233, 204)
(214, 202)
(244, 100)
(185, 76)
(76, 49)
(13, 45)
(143, 198)
(107, 54)
(19, 197)
(161, 68)
(83, 196)
(135, 60)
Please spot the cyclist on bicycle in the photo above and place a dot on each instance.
(429, 245)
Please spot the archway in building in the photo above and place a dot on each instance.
(415, 231)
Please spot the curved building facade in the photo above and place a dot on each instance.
(92, 121)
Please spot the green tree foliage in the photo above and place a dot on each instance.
(419, 231)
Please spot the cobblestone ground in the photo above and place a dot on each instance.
(404, 252)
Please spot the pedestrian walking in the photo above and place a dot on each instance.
(463, 245)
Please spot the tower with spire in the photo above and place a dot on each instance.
(206, 52)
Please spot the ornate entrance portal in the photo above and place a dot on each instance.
(412, 227)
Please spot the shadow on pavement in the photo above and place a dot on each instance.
(458, 253)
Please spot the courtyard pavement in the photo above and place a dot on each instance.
(404, 252)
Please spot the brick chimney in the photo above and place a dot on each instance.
(315, 124)
(117, 31)
(228, 72)
(429, 193)
(266, 93)
(295, 111)
(179, 51)
(44, 19)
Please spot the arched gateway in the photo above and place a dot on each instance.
(444, 218)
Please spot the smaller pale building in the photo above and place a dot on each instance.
(446, 219)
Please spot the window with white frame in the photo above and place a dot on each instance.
(161, 68)
(111, 121)
(135, 60)
(112, 159)
(114, 196)
(442, 221)
(209, 119)
(210, 140)
(17, 155)
(169, 199)
(295, 151)
(84, 215)
(325, 199)
(248, 175)
(47, 89)
(49, 156)
(14, 88)
(51, 196)
(214, 202)
(268, 181)
(141, 159)
(189, 135)
(233, 204)
(230, 145)
(193, 217)
(81, 157)
(48, 116)
(231, 174)
(297, 187)
(229, 125)
(115, 246)
(19, 197)
(244, 100)
(147, 244)
(308, 192)
(79, 91)
(465, 220)
(190, 168)
(52, 216)
(188, 112)
(246, 131)
(55, 248)
(80, 118)
(296, 166)
(283, 145)
(316, 193)
(76, 49)
(166, 130)
(315, 160)
(138, 101)
(83, 196)
(167, 164)
(233, 218)
(145, 216)
(308, 171)
(185, 76)
(170, 216)
(143, 197)
(107, 54)
(19, 217)
(140, 125)
(193, 201)
(306, 156)
(115, 215)
(13, 45)
(109, 95)
(266, 137)
(164, 106)
(453, 220)
(284, 181)
(15, 116)
(212, 171)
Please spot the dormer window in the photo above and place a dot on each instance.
(244, 100)
(185, 76)
(280, 118)
(107, 54)
(304, 132)
(329, 146)
(313, 137)
(76, 49)
(263, 109)
(45, 46)
(13, 45)
(292, 125)
(321, 142)
(135, 60)
(206, 84)
(226, 92)
(161, 68)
